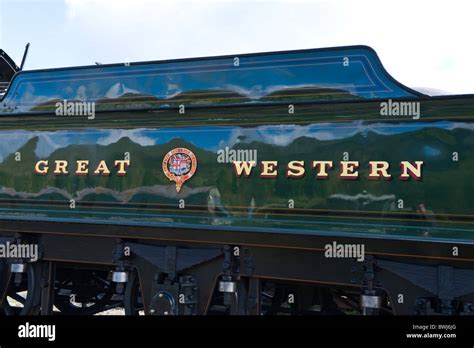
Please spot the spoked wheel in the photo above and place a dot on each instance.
(24, 292)
(133, 297)
(84, 292)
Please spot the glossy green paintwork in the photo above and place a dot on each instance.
(337, 74)
(439, 207)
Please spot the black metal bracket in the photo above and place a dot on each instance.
(167, 288)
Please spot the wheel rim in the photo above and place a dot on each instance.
(132, 298)
(23, 298)
(90, 304)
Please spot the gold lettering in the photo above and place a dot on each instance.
(322, 167)
(410, 170)
(348, 170)
(243, 166)
(121, 166)
(269, 169)
(82, 167)
(60, 167)
(102, 169)
(295, 169)
(379, 169)
(41, 167)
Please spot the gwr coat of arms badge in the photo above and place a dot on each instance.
(179, 165)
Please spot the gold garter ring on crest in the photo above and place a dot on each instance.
(179, 165)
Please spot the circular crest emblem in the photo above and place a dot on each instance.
(179, 165)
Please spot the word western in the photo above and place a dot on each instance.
(81, 168)
(348, 170)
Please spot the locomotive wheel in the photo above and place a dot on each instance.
(101, 303)
(133, 297)
(92, 293)
(24, 295)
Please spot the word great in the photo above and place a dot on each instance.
(81, 167)
(348, 170)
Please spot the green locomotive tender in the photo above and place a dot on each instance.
(286, 182)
